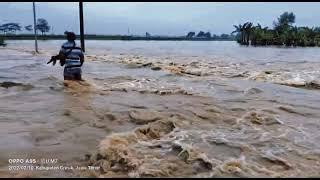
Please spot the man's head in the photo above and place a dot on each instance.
(70, 36)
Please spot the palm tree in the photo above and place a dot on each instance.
(283, 33)
(256, 35)
(247, 31)
(239, 30)
(244, 32)
(260, 36)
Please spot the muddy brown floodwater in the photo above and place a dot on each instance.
(161, 109)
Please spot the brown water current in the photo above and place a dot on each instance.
(158, 109)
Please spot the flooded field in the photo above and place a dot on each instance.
(162, 109)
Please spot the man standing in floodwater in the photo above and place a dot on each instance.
(71, 56)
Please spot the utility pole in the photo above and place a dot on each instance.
(34, 28)
(81, 26)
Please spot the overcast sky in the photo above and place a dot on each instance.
(161, 18)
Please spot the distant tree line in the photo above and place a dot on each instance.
(12, 27)
(208, 35)
(193, 36)
(283, 33)
(41, 25)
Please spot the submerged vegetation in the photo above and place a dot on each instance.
(283, 33)
(2, 41)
